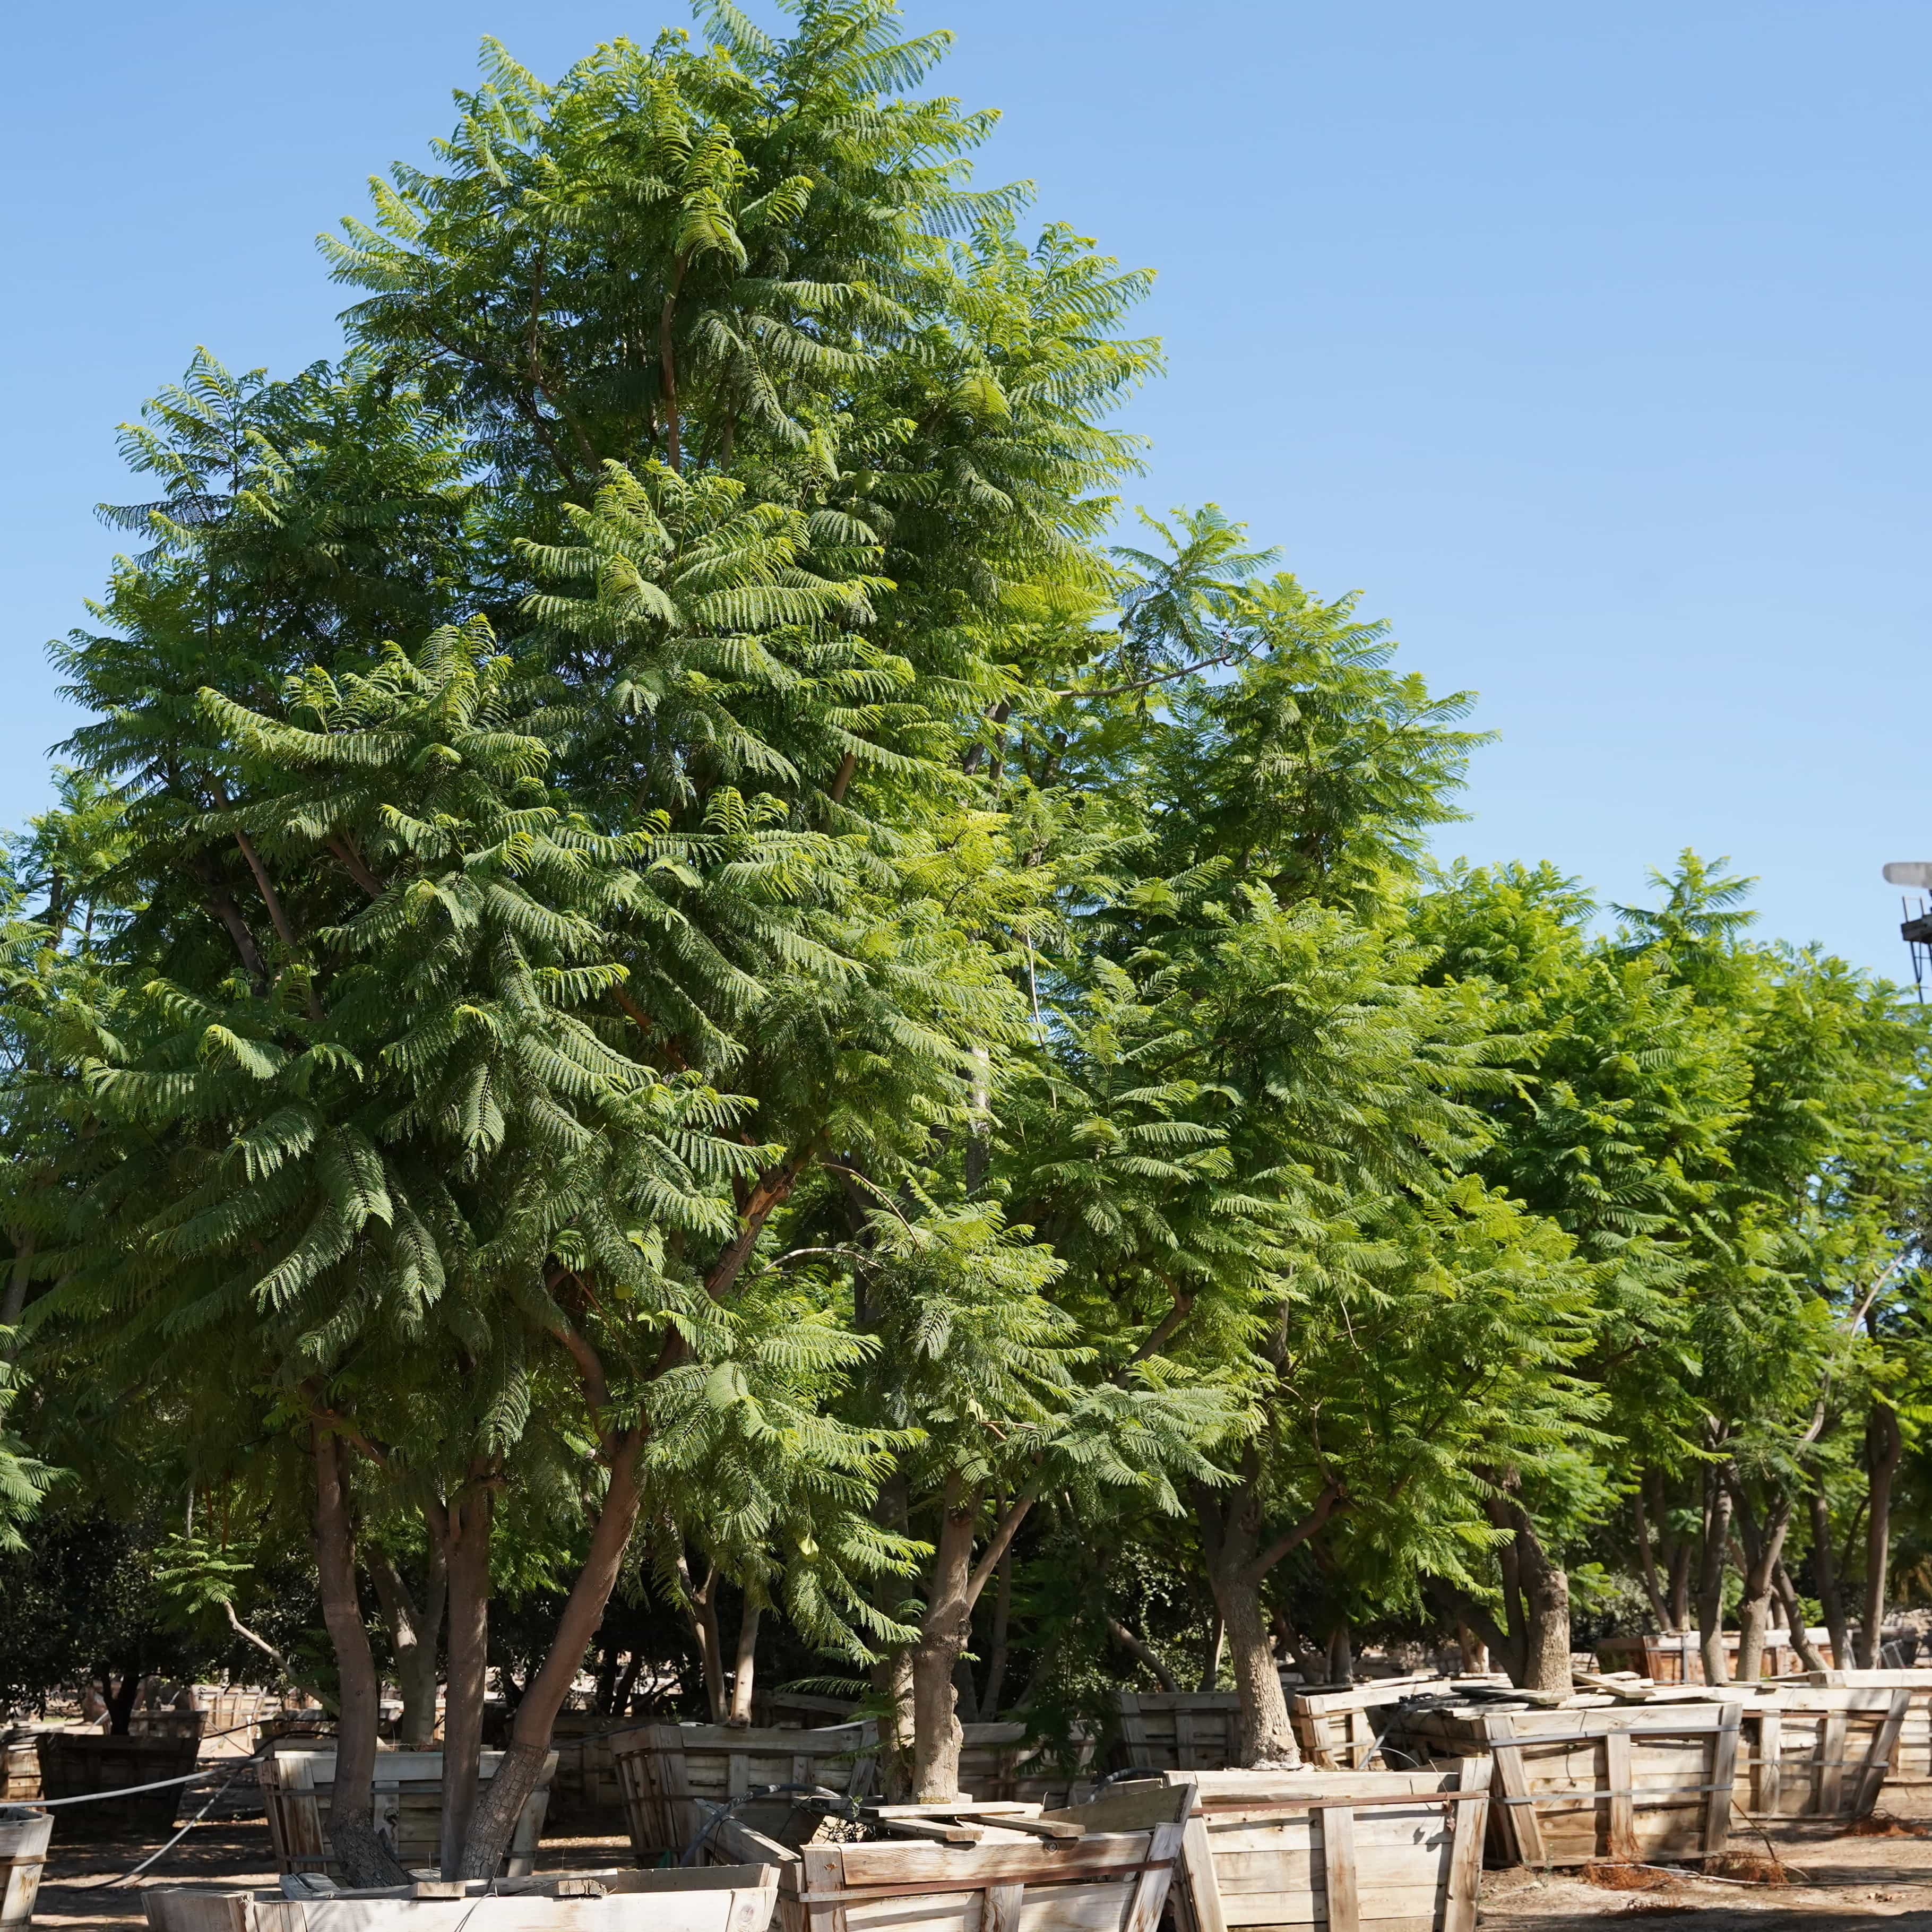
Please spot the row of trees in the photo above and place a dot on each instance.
(665, 995)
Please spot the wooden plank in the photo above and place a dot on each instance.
(1621, 1843)
(1523, 1832)
(1338, 1867)
(1465, 1849)
(1768, 1772)
(1721, 1777)
(1832, 1765)
(1001, 1911)
(824, 1871)
(1198, 1897)
(1879, 1757)
(1151, 1887)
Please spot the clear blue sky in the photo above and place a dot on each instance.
(1590, 343)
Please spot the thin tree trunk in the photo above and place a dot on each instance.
(1710, 1578)
(1653, 1587)
(743, 1674)
(1883, 1446)
(415, 1630)
(1341, 1654)
(502, 1802)
(701, 1606)
(465, 1527)
(13, 1303)
(365, 1861)
(1825, 1574)
(1138, 1648)
(1764, 1555)
(627, 1684)
(996, 1659)
(1808, 1652)
(1211, 1660)
(1475, 1651)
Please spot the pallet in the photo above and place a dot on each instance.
(20, 1768)
(725, 1899)
(297, 1785)
(674, 1778)
(1340, 1728)
(1576, 1784)
(1010, 1880)
(1353, 1851)
(1907, 1787)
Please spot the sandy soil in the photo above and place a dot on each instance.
(1797, 1875)
(1884, 1870)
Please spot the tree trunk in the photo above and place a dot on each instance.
(743, 1676)
(942, 1639)
(701, 1606)
(1710, 1578)
(1546, 1589)
(1883, 1446)
(465, 1526)
(1653, 1586)
(365, 1861)
(502, 1803)
(1475, 1651)
(1808, 1652)
(1825, 1574)
(1764, 1556)
(1230, 1535)
(415, 1631)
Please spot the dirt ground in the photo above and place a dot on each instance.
(1883, 1870)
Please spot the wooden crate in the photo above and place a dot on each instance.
(724, 1899)
(77, 1763)
(1672, 1656)
(1339, 1727)
(998, 1763)
(674, 1778)
(1907, 1790)
(1394, 1851)
(1103, 1881)
(1175, 1730)
(1594, 1779)
(19, 1768)
(23, 1853)
(1821, 1751)
(585, 1790)
(780, 1709)
(296, 1786)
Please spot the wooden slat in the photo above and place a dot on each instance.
(1338, 1868)
(1001, 1910)
(1466, 1851)
(1622, 1827)
(1722, 1777)
(1525, 1834)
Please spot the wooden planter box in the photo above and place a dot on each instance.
(586, 1791)
(726, 1899)
(1672, 1656)
(1600, 1780)
(296, 1787)
(1822, 1751)
(1010, 1881)
(23, 1852)
(998, 1765)
(1908, 1776)
(75, 1763)
(1175, 1730)
(674, 1778)
(1398, 1851)
(1339, 1728)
